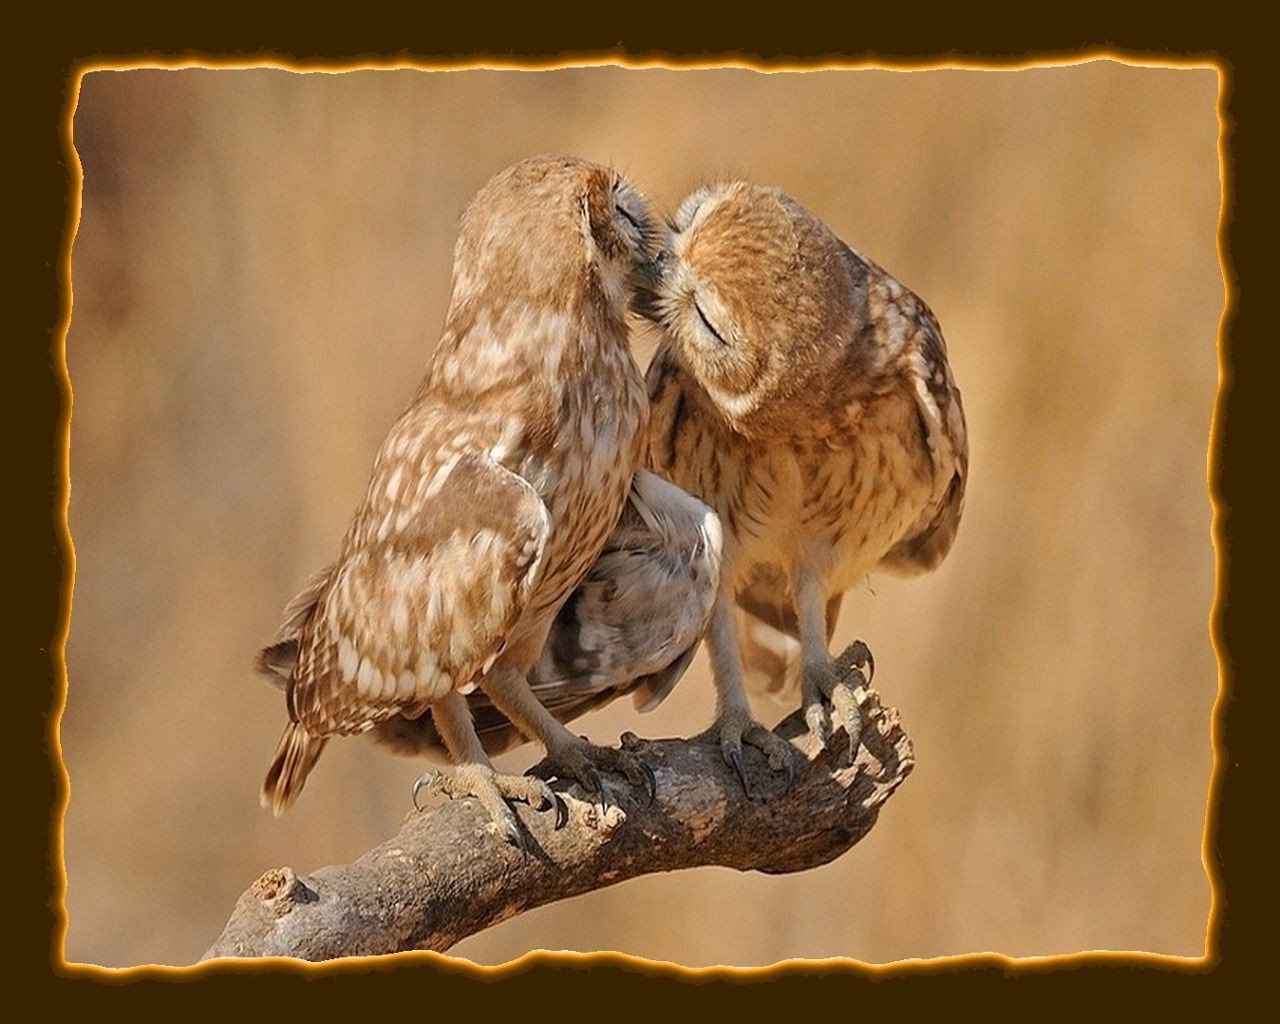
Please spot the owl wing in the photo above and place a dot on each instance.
(631, 626)
(422, 601)
(942, 426)
(634, 623)
(277, 660)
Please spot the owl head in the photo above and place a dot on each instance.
(555, 230)
(760, 301)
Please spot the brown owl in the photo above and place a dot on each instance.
(490, 498)
(805, 395)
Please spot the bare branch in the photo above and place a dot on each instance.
(448, 874)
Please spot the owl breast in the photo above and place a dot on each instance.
(836, 505)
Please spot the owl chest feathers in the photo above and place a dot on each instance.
(837, 505)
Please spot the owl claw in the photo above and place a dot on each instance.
(577, 763)
(418, 784)
(597, 787)
(552, 799)
(495, 794)
(735, 730)
(857, 656)
(815, 716)
(515, 835)
(845, 702)
(837, 683)
(636, 768)
(733, 755)
(650, 781)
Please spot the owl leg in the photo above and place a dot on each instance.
(568, 756)
(734, 723)
(474, 775)
(839, 681)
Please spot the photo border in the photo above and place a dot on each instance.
(518, 974)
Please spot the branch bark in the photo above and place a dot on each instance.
(447, 874)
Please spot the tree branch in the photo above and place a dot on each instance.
(448, 874)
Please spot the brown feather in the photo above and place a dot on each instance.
(805, 394)
(295, 756)
(497, 486)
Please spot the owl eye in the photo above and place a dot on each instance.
(708, 324)
(630, 219)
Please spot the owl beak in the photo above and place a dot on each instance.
(649, 278)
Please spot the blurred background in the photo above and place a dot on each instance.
(260, 273)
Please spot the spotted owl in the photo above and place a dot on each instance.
(491, 497)
(805, 395)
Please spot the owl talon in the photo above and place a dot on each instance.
(515, 835)
(418, 784)
(495, 793)
(837, 683)
(550, 799)
(650, 780)
(597, 787)
(637, 771)
(735, 730)
(815, 716)
(577, 763)
(857, 657)
(844, 700)
(733, 755)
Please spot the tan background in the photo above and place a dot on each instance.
(260, 273)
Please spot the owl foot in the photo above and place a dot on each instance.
(735, 729)
(493, 791)
(582, 762)
(857, 656)
(842, 682)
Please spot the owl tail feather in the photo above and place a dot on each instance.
(295, 756)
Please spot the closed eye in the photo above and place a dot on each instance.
(718, 336)
(630, 219)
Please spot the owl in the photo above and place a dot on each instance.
(631, 627)
(491, 497)
(805, 395)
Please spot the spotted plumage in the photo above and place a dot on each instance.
(631, 626)
(494, 491)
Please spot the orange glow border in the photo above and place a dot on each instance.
(631, 964)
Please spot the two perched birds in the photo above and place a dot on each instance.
(543, 533)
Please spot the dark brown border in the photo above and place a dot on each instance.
(1238, 943)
